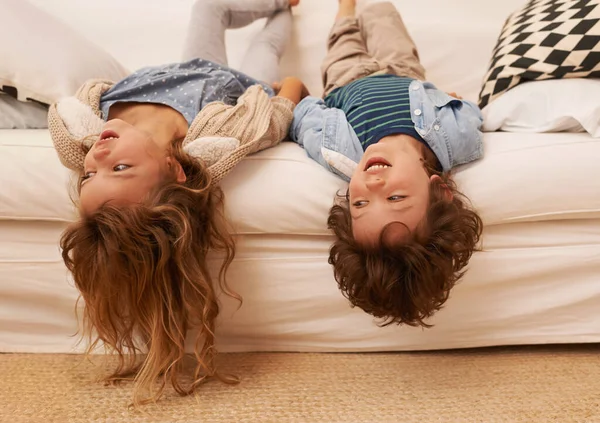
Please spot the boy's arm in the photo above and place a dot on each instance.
(326, 136)
(462, 121)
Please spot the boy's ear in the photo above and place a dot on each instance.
(435, 179)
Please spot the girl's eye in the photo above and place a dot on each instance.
(396, 197)
(87, 176)
(360, 203)
(121, 167)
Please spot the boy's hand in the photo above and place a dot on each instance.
(291, 88)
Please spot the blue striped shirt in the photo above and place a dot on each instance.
(376, 107)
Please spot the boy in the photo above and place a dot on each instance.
(404, 232)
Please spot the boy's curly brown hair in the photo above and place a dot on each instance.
(406, 283)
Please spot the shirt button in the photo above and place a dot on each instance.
(418, 112)
(436, 127)
(415, 87)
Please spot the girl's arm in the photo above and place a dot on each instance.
(292, 88)
(256, 122)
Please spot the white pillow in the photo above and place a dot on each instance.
(43, 59)
(15, 114)
(556, 105)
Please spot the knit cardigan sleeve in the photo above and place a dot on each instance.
(257, 121)
(68, 131)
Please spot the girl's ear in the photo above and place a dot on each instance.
(177, 169)
(435, 179)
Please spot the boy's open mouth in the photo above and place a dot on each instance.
(377, 163)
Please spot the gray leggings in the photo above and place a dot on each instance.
(210, 19)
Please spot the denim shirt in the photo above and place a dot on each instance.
(450, 127)
(186, 87)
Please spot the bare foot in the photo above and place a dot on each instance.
(294, 3)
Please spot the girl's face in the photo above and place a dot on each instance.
(123, 166)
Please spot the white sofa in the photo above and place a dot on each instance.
(537, 280)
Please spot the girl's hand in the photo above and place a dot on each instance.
(291, 88)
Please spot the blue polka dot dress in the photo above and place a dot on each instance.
(186, 87)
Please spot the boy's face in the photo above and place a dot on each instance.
(389, 185)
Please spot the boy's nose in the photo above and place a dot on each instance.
(375, 183)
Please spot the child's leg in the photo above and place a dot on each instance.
(347, 58)
(210, 18)
(262, 58)
(389, 42)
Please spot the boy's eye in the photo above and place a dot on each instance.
(397, 197)
(121, 167)
(359, 203)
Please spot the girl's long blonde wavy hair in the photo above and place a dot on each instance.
(142, 272)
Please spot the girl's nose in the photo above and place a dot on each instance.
(101, 153)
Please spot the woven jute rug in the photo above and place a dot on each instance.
(548, 384)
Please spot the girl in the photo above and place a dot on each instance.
(148, 198)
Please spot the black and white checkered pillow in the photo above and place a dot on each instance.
(547, 39)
